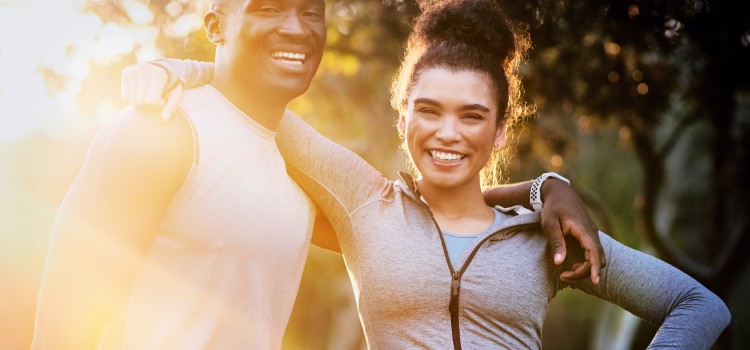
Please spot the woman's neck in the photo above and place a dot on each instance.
(459, 210)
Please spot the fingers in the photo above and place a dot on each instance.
(580, 271)
(173, 101)
(125, 83)
(153, 95)
(553, 231)
(132, 86)
(142, 92)
(594, 251)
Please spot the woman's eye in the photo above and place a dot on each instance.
(474, 116)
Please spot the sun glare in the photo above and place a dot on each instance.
(63, 39)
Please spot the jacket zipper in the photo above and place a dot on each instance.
(455, 281)
(456, 276)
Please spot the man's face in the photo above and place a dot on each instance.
(275, 45)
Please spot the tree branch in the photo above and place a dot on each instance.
(675, 136)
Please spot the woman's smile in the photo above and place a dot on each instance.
(446, 157)
(451, 127)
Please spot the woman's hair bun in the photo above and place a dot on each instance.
(477, 23)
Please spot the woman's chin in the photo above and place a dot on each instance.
(444, 181)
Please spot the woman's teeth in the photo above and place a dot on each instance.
(289, 57)
(445, 157)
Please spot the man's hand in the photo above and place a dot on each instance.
(143, 86)
(565, 213)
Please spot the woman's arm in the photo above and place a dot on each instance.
(337, 179)
(688, 314)
(159, 84)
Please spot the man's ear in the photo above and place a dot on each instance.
(500, 133)
(402, 124)
(212, 22)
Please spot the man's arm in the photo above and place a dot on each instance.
(563, 214)
(106, 223)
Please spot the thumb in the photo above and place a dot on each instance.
(553, 231)
(173, 101)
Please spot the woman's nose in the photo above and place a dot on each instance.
(448, 131)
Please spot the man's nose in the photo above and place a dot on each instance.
(293, 27)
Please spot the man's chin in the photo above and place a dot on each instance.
(287, 89)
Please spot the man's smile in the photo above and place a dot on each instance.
(292, 58)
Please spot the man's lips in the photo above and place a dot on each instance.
(289, 57)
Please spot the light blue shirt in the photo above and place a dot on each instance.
(456, 244)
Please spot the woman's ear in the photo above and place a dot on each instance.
(500, 132)
(212, 22)
(402, 124)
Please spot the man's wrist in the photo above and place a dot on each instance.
(535, 196)
(552, 186)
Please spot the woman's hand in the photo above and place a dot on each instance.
(565, 213)
(143, 86)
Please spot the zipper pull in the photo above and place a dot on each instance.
(455, 290)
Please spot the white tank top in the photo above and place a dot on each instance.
(224, 269)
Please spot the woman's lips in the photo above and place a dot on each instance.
(446, 159)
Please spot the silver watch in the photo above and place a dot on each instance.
(536, 189)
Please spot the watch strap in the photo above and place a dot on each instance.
(535, 197)
(172, 79)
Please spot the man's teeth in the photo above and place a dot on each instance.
(445, 157)
(296, 56)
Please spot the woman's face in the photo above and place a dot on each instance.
(451, 126)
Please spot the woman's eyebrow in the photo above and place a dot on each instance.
(427, 101)
(475, 106)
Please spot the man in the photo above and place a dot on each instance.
(189, 234)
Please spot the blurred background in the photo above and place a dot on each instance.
(644, 105)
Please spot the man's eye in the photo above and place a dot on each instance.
(427, 110)
(313, 14)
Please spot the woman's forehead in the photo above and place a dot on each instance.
(453, 88)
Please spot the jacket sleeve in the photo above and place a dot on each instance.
(688, 315)
(338, 180)
(190, 73)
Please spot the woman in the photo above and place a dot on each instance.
(431, 264)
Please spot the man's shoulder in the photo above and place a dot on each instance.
(139, 136)
(199, 96)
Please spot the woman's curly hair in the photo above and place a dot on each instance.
(473, 35)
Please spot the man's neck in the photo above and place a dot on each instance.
(252, 103)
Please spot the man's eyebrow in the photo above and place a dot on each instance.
(428, 101)
(475, 106)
